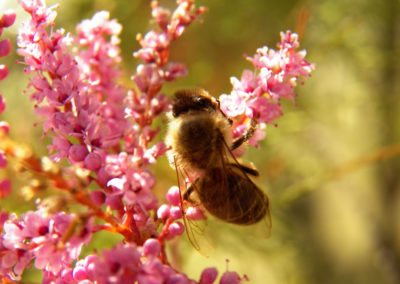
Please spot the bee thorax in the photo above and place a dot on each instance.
(197, 139)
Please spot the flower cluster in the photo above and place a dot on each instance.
(52, 241)
(255, 98)
(6, 20)
(103, 133)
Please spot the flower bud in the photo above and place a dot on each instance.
(5, 47)
(98, 197)
(77, 153)
(163, 211)
(7, 19)
(195, 213)
(175, 229)
(3, 72)
(174, 196)
(208, 275)
(93, 161)
(151, 247)
(230, 277)
(175, 212)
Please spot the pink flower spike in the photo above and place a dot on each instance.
(3, 71)
(7, 19)
(5, 47)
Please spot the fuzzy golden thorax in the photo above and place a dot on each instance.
(197, 139)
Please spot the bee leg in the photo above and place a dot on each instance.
(239, 141)
(246, 169)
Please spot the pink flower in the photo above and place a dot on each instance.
(234, 104)
(264, 110)
(39, 237)
(255, 97)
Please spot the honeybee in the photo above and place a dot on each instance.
(201, 142)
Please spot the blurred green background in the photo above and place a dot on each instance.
(328, 168)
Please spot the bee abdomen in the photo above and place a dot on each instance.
(234, 199)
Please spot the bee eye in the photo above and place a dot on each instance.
(203, 102)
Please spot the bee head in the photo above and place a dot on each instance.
(193, 100)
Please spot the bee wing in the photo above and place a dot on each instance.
(194, 228)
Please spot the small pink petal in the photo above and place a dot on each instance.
(117, 183)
